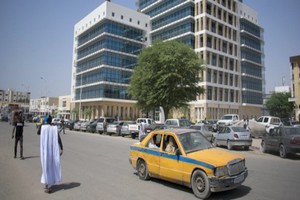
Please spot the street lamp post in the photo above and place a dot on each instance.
(46, 105)
(80, 95)
(80, 70)
(42, 78)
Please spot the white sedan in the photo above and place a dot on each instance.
(233, 136)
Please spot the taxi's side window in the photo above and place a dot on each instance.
(170, 144)
(155, 141)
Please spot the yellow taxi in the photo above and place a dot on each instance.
(186, 157)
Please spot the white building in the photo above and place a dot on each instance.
(227, 37)
(64, 107)
(44, 105)
(106, 44)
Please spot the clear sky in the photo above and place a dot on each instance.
(36, 40)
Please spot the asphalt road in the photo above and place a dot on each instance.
(96, 167)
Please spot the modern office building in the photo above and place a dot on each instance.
(224, 33)
(227, 37)
(295, 84)
(252, 62)
(106, 44)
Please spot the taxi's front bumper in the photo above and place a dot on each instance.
(227, 183)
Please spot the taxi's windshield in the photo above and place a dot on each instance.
(194, 141)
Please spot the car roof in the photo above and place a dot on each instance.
(179, 131)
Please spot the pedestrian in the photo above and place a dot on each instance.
(51, 149)
(17, 132)
(62, 125)
(141, 130)
(245, 124)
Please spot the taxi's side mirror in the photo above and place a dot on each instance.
(177, 152)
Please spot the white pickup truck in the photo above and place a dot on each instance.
(130, 128)
(228, 120)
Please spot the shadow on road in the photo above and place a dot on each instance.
(30, 157)
(65, 186)
(237, 193)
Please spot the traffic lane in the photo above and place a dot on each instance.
(130, 182)
(270, 176)
(97, 167)
(18, 177)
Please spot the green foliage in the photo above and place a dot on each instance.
(167, 76)
(279, 106)
(87, 112)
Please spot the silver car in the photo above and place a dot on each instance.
(114, 128)
(204, 130)
(102, 123)
(130, 128)
(233, 136)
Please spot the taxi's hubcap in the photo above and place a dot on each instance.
(200, 184)
(142, 169)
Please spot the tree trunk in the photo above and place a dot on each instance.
(166, 111)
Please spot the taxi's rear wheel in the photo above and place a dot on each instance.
(200, 184)
(143, 170)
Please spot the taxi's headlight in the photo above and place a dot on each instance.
(221, 171)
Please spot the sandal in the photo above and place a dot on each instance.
(48, 190)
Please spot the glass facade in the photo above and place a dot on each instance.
(102, 91)
(251, 63)
(105, 59)
(183, 30)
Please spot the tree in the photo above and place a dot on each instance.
(167, 76)
(75, 111)
(88, 112)
(278, 105)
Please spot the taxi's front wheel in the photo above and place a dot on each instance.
(143, 170)
(200, 184)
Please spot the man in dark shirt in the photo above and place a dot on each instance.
(18, 133)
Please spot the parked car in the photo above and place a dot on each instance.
(102, 123)
(204, 130)
(56, 121)
(283, 139)
(233, 136)
(193, 161)
(155, 126)
(77, 125)
(176, 123)
(83, 126)
(70, 124)
(92, 127)
(208, 123)
(289, 122)
(228, 120)
(114, 128)
(269, 122)
(214, 125)
(147, 121)
(130, 128)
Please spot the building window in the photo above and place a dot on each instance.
(138, 22)
(130, 19)
(122, 17)
(113, 14)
